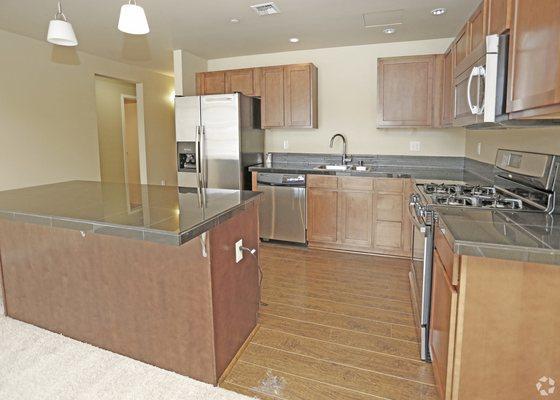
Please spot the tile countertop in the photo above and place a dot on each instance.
(383, 171)
(509, 235)
(165, 214)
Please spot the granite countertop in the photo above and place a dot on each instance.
(378, 171)
(520, 236)
(162, 214)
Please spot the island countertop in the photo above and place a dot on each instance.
(162, 214)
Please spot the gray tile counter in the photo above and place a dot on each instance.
(519, 236)
(164, 214)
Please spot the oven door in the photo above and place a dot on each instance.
(421, 276)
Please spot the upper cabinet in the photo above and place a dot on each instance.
(499, 16)
(534, 60)
(289, 93)
(406, 91)
(477, 29)
(246, 81)
(447, 101)
(211, 83)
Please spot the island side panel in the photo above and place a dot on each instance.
(235, 286)
(148, 301)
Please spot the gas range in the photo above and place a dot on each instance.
(463, 195)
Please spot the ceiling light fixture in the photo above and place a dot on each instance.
(234, 20)
(132, 19)
(389, 31)
(294, 40)
(60, 31)
(439, 11)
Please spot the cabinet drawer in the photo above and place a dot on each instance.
(445, 253)
(389, 185)
(318, 181)
(355, 183)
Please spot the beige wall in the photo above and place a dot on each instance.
(348, 101)
(541, 140)
(185, 66)
(48, 121)
(108, 93)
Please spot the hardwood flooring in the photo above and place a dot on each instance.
(332, 326)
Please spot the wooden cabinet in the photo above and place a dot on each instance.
(363, 214)
(477, 29)
(447, 98)
(289, 96)
(272, 101)
(442, 325)
(534, 62)
(246, 81)
(322, 209)
(300, 96)
(211, 83)
(499, 16)
(289, 93)
(405, 91)
(461, 46)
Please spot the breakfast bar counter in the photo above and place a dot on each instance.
(149, 272)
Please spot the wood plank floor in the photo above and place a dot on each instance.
(332, 326)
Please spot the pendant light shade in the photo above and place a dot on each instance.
(60, 31)
(133, 19)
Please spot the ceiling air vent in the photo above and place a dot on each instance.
(266, 9)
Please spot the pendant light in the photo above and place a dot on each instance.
(133, 19)
(60, 31)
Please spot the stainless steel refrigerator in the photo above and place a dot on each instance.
(218, 138)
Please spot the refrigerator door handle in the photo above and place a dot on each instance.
(197, 154)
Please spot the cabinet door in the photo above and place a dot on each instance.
(477, 29)
(447, 83)
(246, 81)
(405, 91)
(272, 101)
(499, 16)
(322, 215)
(534, 62)
(299, 97)
(355, 218)
(461, 47)
(442, 325)
(211, 83)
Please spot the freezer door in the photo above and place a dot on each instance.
(187, 118)
(220, 142)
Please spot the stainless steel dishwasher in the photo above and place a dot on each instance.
(283, 209)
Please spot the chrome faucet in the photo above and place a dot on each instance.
(345, 158)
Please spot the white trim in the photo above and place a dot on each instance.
(141, 134)
(178, 71)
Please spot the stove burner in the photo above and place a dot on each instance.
(470, 196)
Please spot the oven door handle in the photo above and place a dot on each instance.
(412, 211)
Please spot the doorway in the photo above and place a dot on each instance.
(122, 148)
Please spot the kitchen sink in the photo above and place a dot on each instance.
(356, 168)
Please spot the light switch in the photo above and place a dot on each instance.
(479, 148)
(414, 146)
(286, 145)
(238, 251)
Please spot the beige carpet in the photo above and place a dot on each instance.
(36, 364)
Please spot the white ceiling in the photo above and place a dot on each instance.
(203, 28)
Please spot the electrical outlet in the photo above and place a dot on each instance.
(286, 145)
(414, 146)
(163, 182)
(238, 251)
(479, 148)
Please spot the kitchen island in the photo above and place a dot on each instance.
(148, 272)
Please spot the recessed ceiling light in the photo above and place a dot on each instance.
(439, 11)
(389, 31)
(294, 40)
(234, 20)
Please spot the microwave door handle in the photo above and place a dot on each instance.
(482, 78)
(474, 108)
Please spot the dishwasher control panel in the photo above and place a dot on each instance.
(272, 179)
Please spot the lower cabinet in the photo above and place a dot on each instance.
(358, 214)
(322, 210)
